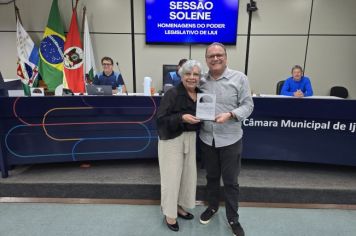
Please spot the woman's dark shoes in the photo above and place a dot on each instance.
(173, 227)
(188, 216)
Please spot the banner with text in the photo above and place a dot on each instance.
(191, 22)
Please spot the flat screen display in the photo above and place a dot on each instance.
(191, 22)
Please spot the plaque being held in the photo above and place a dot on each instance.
(206, 106)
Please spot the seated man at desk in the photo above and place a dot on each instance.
(172, 77)
(109, 76)
(298, 85)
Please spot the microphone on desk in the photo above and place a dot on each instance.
(66, 92)
(117, 64)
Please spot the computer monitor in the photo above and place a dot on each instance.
(10, 85)
(168, 68)
(2, 82)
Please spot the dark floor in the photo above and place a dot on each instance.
(260, 181)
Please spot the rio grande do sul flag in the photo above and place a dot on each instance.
(51, 50)
(73, 72)
(28, 57)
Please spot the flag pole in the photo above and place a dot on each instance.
(76, 4)
(83, 37)
(18, 19)
(17, 13)
(83, 20)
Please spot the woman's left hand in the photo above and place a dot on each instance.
(187, 118)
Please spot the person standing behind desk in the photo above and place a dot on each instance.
(221, 140)
(109, 77)
(177, 127)
(173, 77)
(298, 85)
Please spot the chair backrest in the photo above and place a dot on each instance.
(279, 87)
(2, 82)
(166, 69)
(339, 91)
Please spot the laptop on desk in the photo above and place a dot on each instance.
(99, 89)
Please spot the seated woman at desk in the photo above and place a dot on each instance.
(298, 85)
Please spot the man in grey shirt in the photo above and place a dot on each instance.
(221, 140)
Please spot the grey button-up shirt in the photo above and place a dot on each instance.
(233, 94)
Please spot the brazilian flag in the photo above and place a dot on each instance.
(51, 50)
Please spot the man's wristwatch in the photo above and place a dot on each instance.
(231, 115)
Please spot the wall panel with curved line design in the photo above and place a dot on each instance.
(56, 129)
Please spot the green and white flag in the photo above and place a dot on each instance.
(89, 62)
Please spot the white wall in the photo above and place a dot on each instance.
(279, 40)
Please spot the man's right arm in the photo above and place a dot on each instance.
(285, 89)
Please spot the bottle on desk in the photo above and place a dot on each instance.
(147, 86)
(119, 90)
